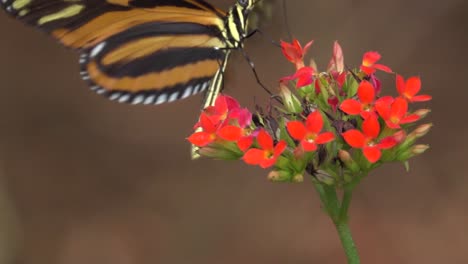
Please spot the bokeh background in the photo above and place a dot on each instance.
(86, 180)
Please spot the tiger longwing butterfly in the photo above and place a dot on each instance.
(143, 51)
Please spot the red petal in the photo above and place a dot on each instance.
(399, 108)
(371, 127)
(254, 156)
(296, 129)
(201, 139)
(388, 142)
(207, 124)
(354, 138)
(367, 70)
(230, 133)
(231, 102)
(324, 138)
(221, 105)
(244, 143)
(392, 125)
(308, 146)
(370, 58)
(372, 154)
(307, 46)
(400, 84)
(366, 92)
(314, 122)
(351, 107)
(279, 148)
(264, 140)
(413, 85)
(409, 119)
(382, 105)
(421, 98)
(267, 162)
(383, 68)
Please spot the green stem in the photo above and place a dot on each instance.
(346, 201)
(347, 242)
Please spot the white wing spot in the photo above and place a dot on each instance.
(85, 77)
(197, 89)
(4, 1)
(138, 99)
(205, 85)
(187, 92)
(94, 87)
(124, 98)
(161, 99)
(9, 9)
(95, 51)
(100, 91)
(173, 97)
(114, 96)
(149, 99)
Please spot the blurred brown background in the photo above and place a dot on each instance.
(85, 180)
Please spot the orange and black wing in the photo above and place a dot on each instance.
(140, 51)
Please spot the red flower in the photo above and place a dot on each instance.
(268, 154)
(207, 135)
(304, 76)
(367, 141)
(410, 88)
(308, 134)
(365, 105)
(369, 65)
(294, 52)
(396, 113)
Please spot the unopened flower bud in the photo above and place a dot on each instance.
(419, 149)
(422, 113)
(420, 131)
(346, 158)
(218, 152)
(280, 176)
(324, 177)
(292, 104)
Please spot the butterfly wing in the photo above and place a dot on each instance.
(135, 51)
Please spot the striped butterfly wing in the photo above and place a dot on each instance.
(140, 51)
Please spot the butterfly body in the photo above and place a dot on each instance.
(142, 51)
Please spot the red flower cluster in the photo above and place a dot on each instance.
(334, 115)
(226, 122)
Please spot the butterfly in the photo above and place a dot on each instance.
(143, 51)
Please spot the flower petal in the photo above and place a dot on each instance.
(254, 156)
(354, 138)
(400, 84)
(244, 143)
(370, 58)
(230, 133)
(383, 68)
(421, 98)
(279, 148)
(264, 140)
(399, 108)
(207, 124)
(296, 129)
(372, 154)
(413, 85)
(371, 126)
(314, 122)
(308, 146)
(201, 139)
(351, 107)
(387, 142)
(410, 119)
(324, 138)
(366, 92)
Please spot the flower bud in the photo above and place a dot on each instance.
(346, 158)
(420, 131)
(324, 177)
(280, 176)
(419, 149)
(292, 104)
(422, 113)
(217, 151)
